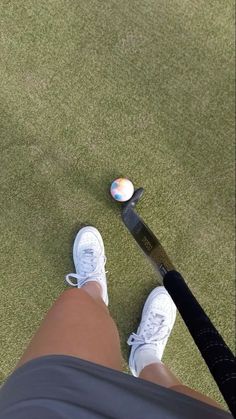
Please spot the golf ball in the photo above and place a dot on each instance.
(122, 189)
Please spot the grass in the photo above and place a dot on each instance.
(91, 90)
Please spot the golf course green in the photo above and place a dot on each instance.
(92, 90)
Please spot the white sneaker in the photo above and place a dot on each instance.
(158, 317)
(89, 260)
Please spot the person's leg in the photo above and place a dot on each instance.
(148, 344)
(79, 323)
(160, 374)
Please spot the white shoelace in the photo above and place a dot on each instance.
(92, 267)
(153, 331)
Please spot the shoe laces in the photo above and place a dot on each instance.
(154, 330)
(91, 266)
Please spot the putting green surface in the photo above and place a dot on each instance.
(91, 90)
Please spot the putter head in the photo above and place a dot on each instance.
(131, 203)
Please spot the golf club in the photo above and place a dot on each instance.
(217, 355)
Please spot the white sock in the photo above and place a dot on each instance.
(145, 355)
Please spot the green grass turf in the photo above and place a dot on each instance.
(90, 90)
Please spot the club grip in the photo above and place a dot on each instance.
(217, 355)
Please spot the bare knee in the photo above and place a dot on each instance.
(75, 296)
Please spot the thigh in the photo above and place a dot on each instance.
(77, 325)
(195, 395)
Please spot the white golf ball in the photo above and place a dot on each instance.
(122, 189)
